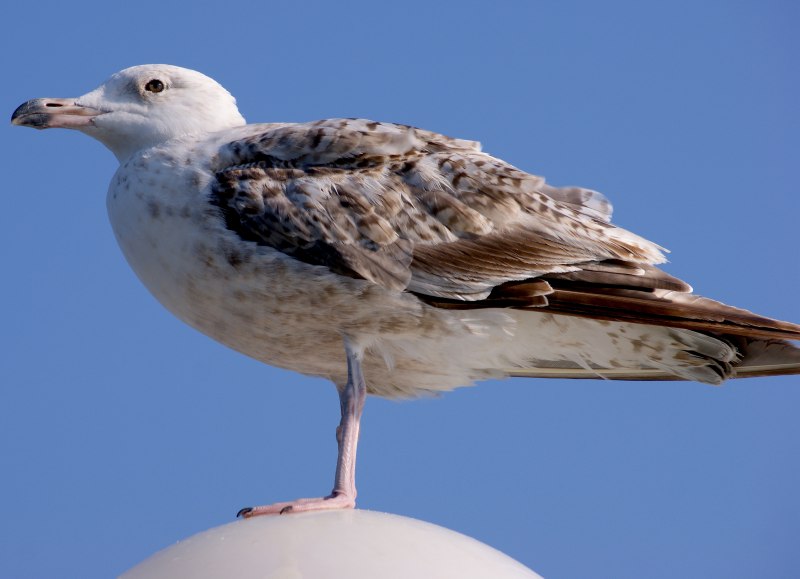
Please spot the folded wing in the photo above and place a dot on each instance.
(416, 211)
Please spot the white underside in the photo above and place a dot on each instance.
(292, 315)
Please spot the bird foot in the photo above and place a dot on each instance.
(329, 503)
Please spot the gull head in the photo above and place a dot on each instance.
(137, 108)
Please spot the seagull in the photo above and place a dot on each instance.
(391, 260)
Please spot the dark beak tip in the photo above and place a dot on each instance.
(25, 116)
(32, 121)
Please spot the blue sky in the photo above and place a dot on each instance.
(122, 430)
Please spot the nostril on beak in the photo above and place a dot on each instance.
(53, 105)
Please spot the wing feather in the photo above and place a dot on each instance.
(411, 209)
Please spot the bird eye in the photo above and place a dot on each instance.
(154, 85)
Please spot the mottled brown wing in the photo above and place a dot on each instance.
(410, 209)
(315, 192)
(413, 210)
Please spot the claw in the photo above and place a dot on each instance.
(244, 512)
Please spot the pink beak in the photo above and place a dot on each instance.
(53, 113)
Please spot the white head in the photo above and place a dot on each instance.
(139, 107)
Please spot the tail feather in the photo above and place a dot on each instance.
(767, 358)
(757, 358)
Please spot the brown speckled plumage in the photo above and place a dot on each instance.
(388, 259)
(359, 196)
(413, 210)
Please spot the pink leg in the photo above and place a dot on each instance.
(343, 496)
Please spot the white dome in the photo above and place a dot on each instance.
(352, 544)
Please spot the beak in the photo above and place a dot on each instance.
(54, 113)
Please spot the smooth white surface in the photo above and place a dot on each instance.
(352, 544)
